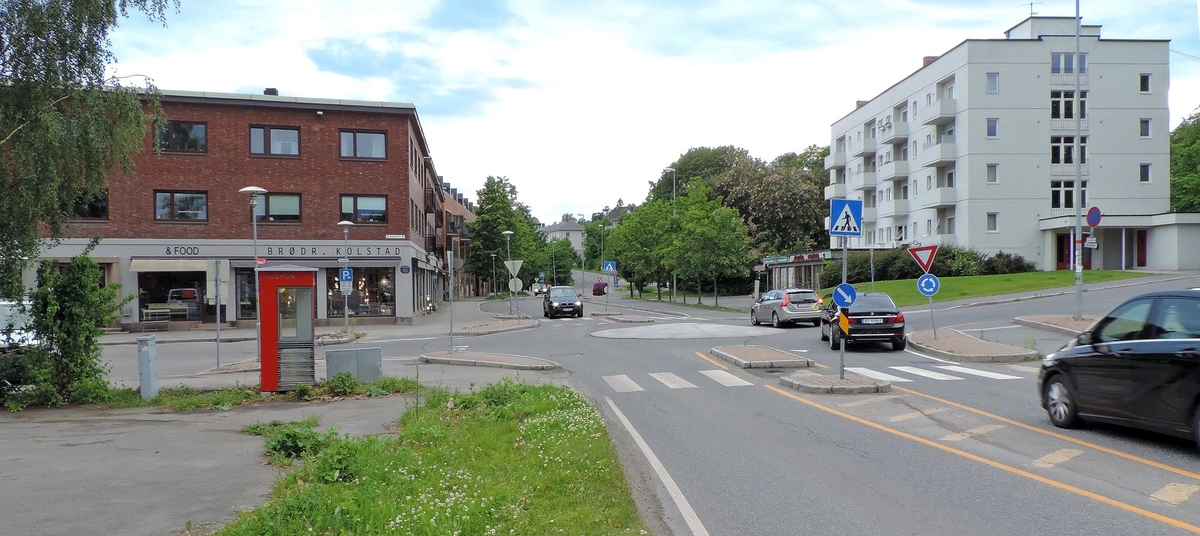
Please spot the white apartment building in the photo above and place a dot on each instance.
(566, 229)
(976, 149)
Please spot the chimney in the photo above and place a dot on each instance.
(271, 91)
(860, 104)
(928, 59)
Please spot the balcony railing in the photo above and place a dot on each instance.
(939, 112)
(895, 133)
(867, 147)
(1068, 169)
(835, 160)
(894, 170)
(944, 196)
(863, 181)
(895, 207)
(933, 155)
(835, 191)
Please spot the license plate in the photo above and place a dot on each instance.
(872, 321)
(567, 308)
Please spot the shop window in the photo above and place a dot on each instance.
(372, 293)
(183, 137)
(181, 206)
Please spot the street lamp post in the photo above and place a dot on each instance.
(553, 266)
(672, 220)
(254, 192)
(345, 260)
(508, 242)
(602, 227)
(493, 274)
(582, 269)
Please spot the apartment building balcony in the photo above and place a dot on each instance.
(895, 207)
(939, 112)
(869, 214)
(1069, 211)
(835, 191)
(939, 239)
(1068, 125)
(862, 181)
(894, 170)
(895, 133)
(835, 161)
(866, 148)
(1068, 79)
(939, 154)
(1068, 169)
(943, 196)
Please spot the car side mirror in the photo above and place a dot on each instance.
(1084, 338)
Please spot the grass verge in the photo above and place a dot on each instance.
(190, 399)
(904, 291)
(508, 459)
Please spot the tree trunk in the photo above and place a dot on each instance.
(715, 303)
(699, 291)
(658, 285)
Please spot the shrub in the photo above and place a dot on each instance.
(343, 383)
(1006, 263)
(298, 439)
(967, 262)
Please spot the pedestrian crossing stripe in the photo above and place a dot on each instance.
(622, 383)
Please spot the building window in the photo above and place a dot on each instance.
(95, 209)
(355, 144)
(993, 82)
(928, 227)
(950, 179)
(372, 293)
(187, 206)
(1062, 104)
(1063, 62)
(183, 137)
(275, 141)
(1144, 82)
(1062, 194)
(1144, 175)
(993, 127)
(929, 182)
(1062, 149)
(993, 173)
(364, 208)
(278, 208)
(993, 222)
(1144, 128)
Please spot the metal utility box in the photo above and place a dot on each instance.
(287, 303)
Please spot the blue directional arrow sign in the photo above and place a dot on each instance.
(928, 284)
(844, 295)
(346, 274)
(845, 217)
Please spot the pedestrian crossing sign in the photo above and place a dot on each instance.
(845, 217)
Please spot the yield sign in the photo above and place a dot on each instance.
(924, 256)
(513, 267)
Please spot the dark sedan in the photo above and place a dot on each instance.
(562, 301)
(1138, 366)
(873, 317)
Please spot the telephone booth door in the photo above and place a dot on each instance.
(287, 296)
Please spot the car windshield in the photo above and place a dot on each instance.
(802, 296)
(562, 293)
(876, 302)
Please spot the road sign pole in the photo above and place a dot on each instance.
(842, 350)
(931, 321)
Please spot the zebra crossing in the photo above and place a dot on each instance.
(624, 383)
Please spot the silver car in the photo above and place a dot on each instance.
(787, 306)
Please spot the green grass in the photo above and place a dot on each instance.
(191, 399)
(509, 459)
(904, 292)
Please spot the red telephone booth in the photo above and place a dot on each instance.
(286, 297)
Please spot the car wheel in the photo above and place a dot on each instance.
(899, 344)
(1060, 403)
(775, 320)
(833, 339)
(824, 337)
(817, 323)
(754, 319)
(580, 312)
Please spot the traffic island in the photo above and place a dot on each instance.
(958, 346)
(852, 384)
(479, 359)
(754, 356)
(497, 327)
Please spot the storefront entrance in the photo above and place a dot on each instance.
(1062, 252)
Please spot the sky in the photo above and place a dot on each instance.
(582, 104)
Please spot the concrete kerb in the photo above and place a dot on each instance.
(1002, 355)
(783, 359)
(824, 384)
(499, 327)
(504, 361)
(1043, 325)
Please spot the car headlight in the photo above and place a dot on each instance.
(578, 303)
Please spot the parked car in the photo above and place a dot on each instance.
(539, 289)
(599, 288)
(15, 325)
(562, 300)
(873, 317)
(1138, 366)
(787, 306)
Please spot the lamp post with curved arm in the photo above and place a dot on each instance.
(254, 192)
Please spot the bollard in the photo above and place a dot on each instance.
(147, 366)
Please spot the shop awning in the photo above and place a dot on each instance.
(210, 267)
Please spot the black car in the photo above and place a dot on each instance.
(1138, 366)
(562, 300)
(873, 317)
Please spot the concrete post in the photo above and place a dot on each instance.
(147, 366)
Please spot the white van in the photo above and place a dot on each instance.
(15, 325)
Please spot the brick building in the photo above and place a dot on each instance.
(177, 233)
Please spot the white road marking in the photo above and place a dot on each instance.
(1056, 457)
(984, 373)
(926, 373)
(979, 430)
(989, 329)
(681, 502)
(797, 350)
(402, 340)
(1173, 494)
(1025, 368)
(725, 378)
(866, 401)
(622, 384)
(931, 357)
(915, 414)
(877, 375)
(672, 381)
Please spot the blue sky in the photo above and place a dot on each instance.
(582, 103)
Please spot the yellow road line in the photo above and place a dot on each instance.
(870, 400)
(978, 430)
(915, 414)
(1019, 472)
(711, 360)
(1056, 457)
(1100, 448)
(1173, 494)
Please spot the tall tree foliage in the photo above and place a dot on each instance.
(497, 210)
(711, 241)
(707, 165)
(782, 202)
(635, 244)
(1185, 165)
(64, 123)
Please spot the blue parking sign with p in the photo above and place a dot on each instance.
(346, 274)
